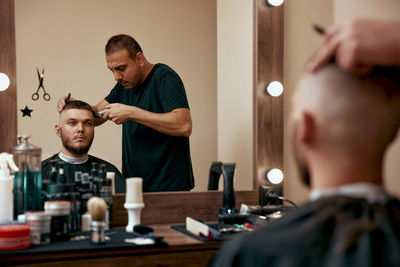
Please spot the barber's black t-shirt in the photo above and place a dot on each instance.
(162, 161)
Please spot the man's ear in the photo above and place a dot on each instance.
(140, 59)
(307, 129)
(58, 130)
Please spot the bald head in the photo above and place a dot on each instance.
(351, 114)
(342, 125)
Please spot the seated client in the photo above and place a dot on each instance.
(341, 127)
(76, 130)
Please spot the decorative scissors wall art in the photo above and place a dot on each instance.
(35, 96)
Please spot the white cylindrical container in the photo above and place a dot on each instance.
(39, 223)
(21, 218)
(86, 221)
(6, 199)
(134, 201)
(134, 190)
(6, 187)
(111, 176)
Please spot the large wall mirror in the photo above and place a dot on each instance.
(211, 44)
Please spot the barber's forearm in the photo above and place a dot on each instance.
(176, 123)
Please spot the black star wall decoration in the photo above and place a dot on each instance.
(26, 111)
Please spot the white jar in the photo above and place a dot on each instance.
(39, 223)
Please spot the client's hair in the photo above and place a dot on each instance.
(77, 104)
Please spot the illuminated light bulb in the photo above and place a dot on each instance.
(275, 176)
(4, 82)
(275, 2)
(275, 88)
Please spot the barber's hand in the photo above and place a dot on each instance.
(61, 102)
(359, 45)
(117, 113)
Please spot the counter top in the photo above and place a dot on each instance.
(161, 211)
(182, 250)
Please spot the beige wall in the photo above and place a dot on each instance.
(235, 88)
(383, 9)
(67, 38)
(300, 43)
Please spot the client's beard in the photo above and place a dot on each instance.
(301, 165)
(75, 150)
(304, 173)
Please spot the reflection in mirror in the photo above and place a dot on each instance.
(208, 43)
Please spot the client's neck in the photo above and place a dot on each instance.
(334, 173)
(72, 155)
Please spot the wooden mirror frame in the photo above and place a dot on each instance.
(173, 207)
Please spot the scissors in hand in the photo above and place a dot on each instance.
(35, 96)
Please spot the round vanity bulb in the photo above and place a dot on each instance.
(275, 2)
(275, 176)
(4, 82)
(275, 88)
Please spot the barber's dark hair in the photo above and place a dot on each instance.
(123, 41)
(77, 104)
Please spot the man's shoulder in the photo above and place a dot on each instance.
(161, 69)
(48, 160)
(100, 161)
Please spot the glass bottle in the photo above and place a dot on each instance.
(28, 179)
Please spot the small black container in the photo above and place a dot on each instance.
(66, 192)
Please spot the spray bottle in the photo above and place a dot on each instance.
(6, 187)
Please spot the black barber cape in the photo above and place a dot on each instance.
(332, 231)
(70, 169)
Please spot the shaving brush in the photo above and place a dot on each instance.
(97, 208)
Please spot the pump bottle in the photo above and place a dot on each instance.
(6, 187)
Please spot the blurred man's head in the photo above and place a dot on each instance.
(76, 128)
(343, 124)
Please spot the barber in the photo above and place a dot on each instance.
(150, 102)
